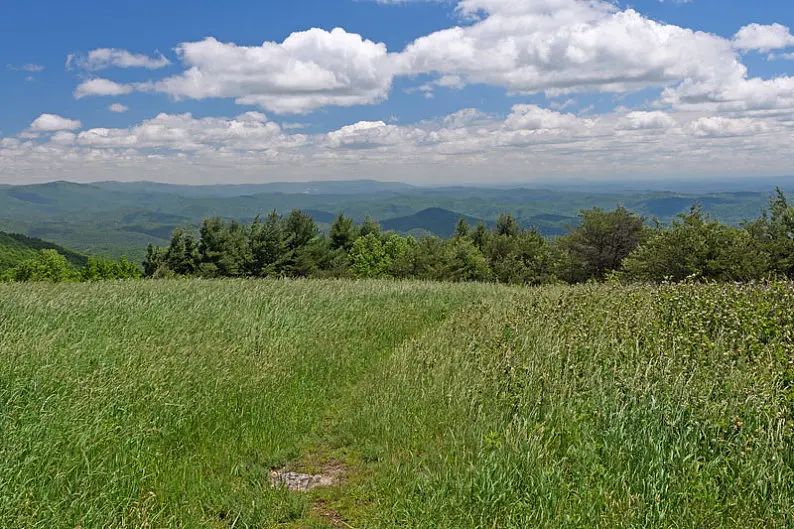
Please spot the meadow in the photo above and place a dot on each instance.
(168, 403)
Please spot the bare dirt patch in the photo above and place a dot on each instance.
(331, 474)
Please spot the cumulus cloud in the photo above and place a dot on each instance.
(183, 132)
(722, 127)
(118, 108)
(529, 142)
(102, 58)
(52, 123)
(763, 38)
(533, 117)
(709, 114)
(101, 87)
(641, 120)
(564, 46)
(309, 70)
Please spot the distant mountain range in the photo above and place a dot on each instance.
(114, 218)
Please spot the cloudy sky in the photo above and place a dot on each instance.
(420, 91)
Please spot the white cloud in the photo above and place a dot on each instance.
(641, 120)
(118, 108)
(309, 70)
(369, 134)
(710, 116)
(564, 46)
(533, 117)
(763, 38)
(101, 87)
(102, 58)
(183, 132)
(52, 123)
(721, 127)
(529, 143)
(26, 68)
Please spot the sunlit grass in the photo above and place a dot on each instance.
(168, 403)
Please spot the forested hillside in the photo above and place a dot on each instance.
(112, 219)
(602, 245)
(16, 248)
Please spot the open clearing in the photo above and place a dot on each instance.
(172, 403)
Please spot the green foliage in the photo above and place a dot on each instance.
(774, 232)
(16, 248)
(600, 243)
(224, 250)
(507, 225)
(369, 225)
(463, 261)
(462, 228)
(99, 269)
(268, 246)
(48, 265)
(343, 233)
(373, 255)
(696, 247)
(521, 259)
(182, 255)
(606, 245)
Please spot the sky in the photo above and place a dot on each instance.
(420, 91)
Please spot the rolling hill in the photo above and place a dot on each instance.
(113, 219)
(15, 248)
(438, 221)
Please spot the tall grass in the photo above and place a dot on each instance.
(166, 404)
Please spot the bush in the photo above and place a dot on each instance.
(48, 265)
(699, 248)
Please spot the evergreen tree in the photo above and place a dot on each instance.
(464, 262)
(601, 242)
(480, 236)
(343, 233)
(268, 247)
(224, 250)
(507, 225)
(369, 225)
(462, 228)
(182, 256)
(299, 231)
(155, 260)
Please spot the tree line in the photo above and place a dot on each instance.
(617, 244)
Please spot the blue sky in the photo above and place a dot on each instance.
(422, 91)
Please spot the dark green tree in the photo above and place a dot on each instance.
(697, 247)
(268, 246)
(463, 261)
(155, 260)
(369, 225)
(182, 256)
(600, 243)
(507, 225)
(224, 249)
(343, 233)
(480, 236)
(523, 259)
(462, 228)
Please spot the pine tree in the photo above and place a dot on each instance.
(462, 228)
(343, 233)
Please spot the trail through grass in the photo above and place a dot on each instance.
(167, 404)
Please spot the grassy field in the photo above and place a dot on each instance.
(167, 404)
